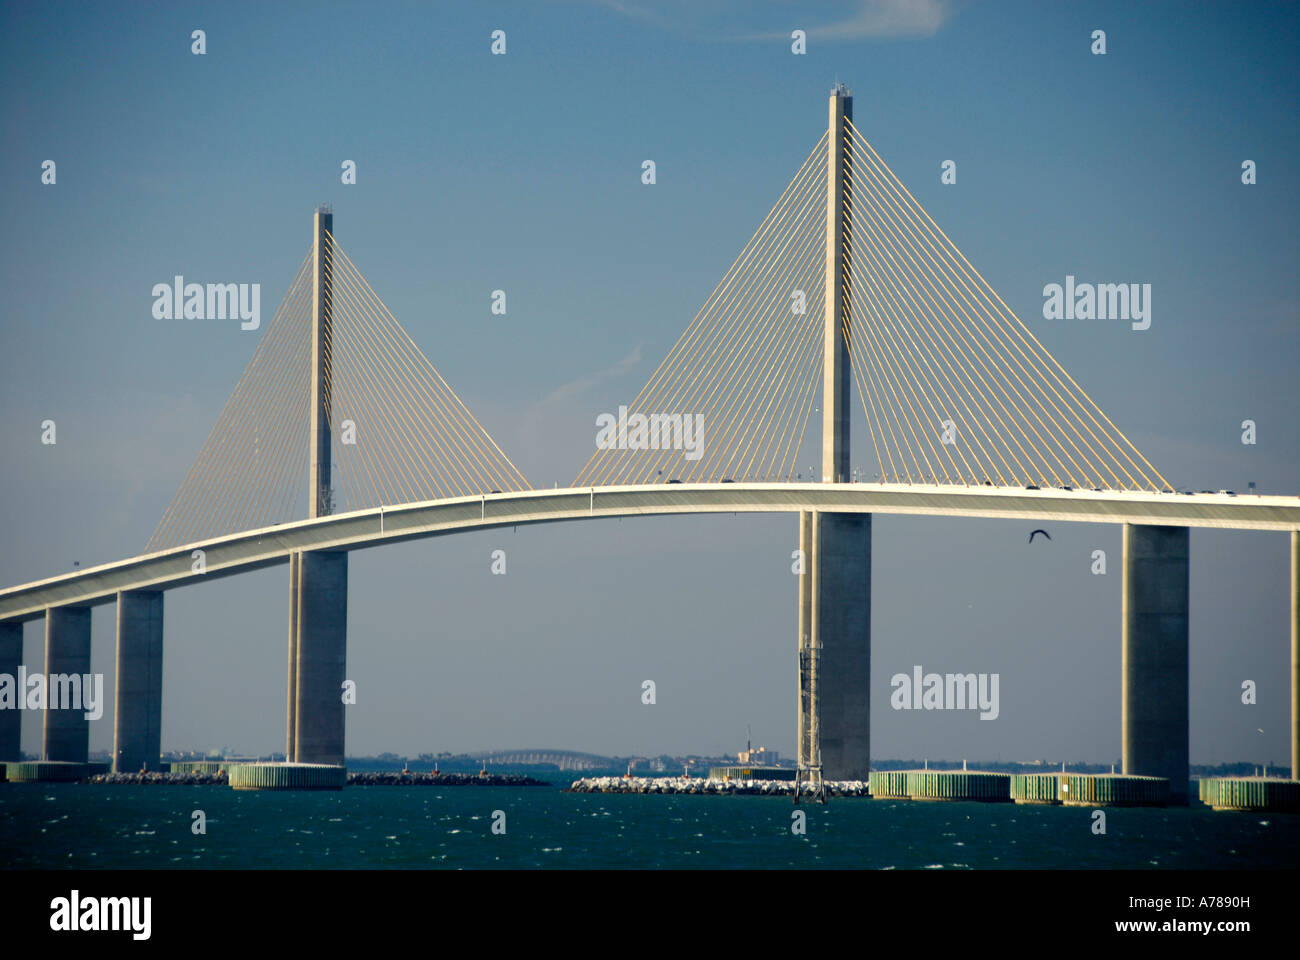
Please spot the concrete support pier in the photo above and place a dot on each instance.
(1295, 654)
(804, 757)
(835, 644)
(137, 724)
(317, 709)
(11, 721)
(1155, 660)
(67, 651)
(292, 699)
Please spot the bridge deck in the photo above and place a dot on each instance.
(225, 556)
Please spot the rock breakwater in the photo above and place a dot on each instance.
(155, 777)
(368, 779)
(709, 787)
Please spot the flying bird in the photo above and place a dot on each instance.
(1043, 532)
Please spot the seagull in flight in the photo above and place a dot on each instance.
(1043, 532)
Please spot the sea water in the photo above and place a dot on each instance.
(81, 826)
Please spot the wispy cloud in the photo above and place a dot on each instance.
(877, 18)
(556, 431)
(581, 385)
(634, 10)
(869, 18)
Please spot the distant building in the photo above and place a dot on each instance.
(758, 757)
(749, 757)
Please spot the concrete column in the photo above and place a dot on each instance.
(835, 659)
(837, 370)
(1155, 659)
(137, 726)
(292, 699)
(11, 721)
(67, 651)
(322, 656)
(319, 504)
(1295, 654)
(803, 601)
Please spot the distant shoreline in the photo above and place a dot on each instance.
(360, 779)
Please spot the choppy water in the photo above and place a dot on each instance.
(84, 826)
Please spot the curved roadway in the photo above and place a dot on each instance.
(235, 553)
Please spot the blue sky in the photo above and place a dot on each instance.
(521, 172)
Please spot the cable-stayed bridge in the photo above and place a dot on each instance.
(848, 286)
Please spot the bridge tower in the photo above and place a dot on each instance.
(834, 604)
(320, 504)
(836, 368)
(318, 580)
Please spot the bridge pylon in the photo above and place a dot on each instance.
(318, 580)
(320, 501)
(836, 369)
(834, 592)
